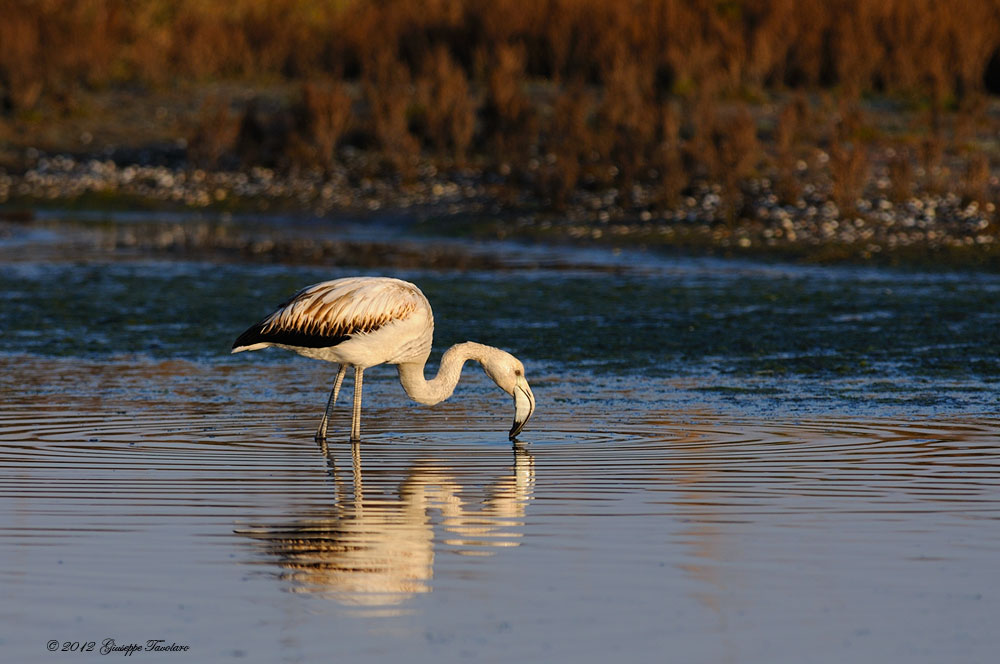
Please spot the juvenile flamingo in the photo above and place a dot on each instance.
(364, 321)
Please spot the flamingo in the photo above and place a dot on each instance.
(365, 321)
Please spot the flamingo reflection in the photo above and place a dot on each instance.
(377, 549)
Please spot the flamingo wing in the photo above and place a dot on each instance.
(328, 313)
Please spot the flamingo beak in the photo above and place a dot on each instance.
(524, 406)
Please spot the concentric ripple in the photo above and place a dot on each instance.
(224, 467)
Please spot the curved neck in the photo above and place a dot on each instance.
(439, 388)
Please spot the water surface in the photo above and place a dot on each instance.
(730, 462)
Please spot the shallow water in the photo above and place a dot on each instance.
(730, 462)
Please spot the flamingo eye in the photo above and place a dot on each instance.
(517, 372)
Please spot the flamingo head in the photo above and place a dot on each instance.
(508, 373)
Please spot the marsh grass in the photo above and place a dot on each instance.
(320, 117)
(598, 94)
(214, 134)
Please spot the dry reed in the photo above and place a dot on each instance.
(663, 92)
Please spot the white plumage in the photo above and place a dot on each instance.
(364, 321)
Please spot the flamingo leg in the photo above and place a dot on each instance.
(321, 431)
(356, 420)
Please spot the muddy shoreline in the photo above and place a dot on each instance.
(927, 231)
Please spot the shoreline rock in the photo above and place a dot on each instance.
(926, 229)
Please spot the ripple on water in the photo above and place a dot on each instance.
(436, 503)
(77, 460)
(887, 465)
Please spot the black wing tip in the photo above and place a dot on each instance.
(257, 335)
(250, 337)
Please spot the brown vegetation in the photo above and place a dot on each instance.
(321, 117)
(448, 108)
(563, 93)
(930, 48)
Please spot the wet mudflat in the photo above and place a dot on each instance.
(730, 462)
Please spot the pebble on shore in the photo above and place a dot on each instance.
(699, 218)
